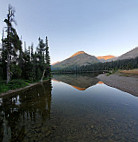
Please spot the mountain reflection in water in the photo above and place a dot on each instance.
(60, 113)
(78, 81)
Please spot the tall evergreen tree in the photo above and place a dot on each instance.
(40, 59)
(17, 63)
(47, 58)
(3, 58)
(12, 42)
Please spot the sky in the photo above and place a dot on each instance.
(98, 27)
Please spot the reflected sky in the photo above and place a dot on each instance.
(101, 113)
(56, 112)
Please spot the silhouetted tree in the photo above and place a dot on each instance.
(17, 63)
(48, 67)
(11, 43)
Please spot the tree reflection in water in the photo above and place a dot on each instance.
(19, 112)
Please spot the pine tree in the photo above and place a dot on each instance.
(3, 58)
(12, 42)
(18, 63)
(40, 59)
(47, 58)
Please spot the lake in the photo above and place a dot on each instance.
(70, 108)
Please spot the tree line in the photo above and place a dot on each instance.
(100, 67)
(114, 65)
(17, 63)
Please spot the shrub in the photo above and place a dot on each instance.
(16, 84)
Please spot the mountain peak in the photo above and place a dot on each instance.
(80, 58)
(78, 53)
(106, 57)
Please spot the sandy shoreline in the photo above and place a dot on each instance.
(124, 83)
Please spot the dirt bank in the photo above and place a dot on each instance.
(125, 83)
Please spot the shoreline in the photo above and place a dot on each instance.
(127, 84)
(21, 89)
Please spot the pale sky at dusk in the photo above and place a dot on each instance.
(98, 27)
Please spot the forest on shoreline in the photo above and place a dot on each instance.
(19, 66)
(100, 67)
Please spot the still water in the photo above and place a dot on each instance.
(70, 108)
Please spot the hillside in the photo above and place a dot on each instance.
(130, 54)
(78, 59)
(55, 63)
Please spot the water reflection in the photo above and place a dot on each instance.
(102, 114)
(22, 115)
(78, 81)
(100, 82)
(98, 114)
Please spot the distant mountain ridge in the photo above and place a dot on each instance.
(81, 58)
(106, 58)
(78, 59)
(130, 54)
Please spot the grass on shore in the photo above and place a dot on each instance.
(128, 73)
(16, 84)
(133, 72)
(12, 85)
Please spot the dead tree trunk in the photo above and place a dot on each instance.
(43, 75)
(8, 67)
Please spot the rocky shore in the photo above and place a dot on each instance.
(125, 83)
